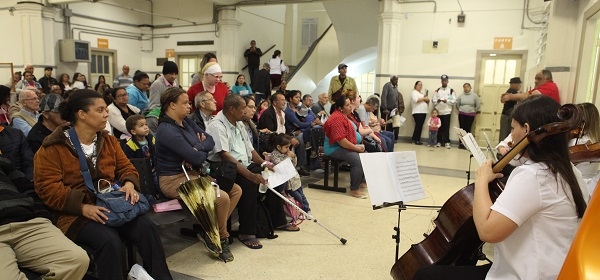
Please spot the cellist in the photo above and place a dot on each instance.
(533, 221)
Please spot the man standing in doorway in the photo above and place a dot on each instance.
(392, 99)
(47, 81)
(123, 79)
(505, 119)
(253, 55)
(444, 99)
(340, 83)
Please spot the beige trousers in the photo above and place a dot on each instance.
(40, 247)
(224, 204)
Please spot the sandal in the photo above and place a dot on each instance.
(289, 227)
(251, 242)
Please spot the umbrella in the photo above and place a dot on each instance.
(199, 196)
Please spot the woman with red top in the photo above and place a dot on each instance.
(341, 139)
(211, 82)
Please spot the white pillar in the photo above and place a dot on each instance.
(229, 52)
(31, 30)
(388, 44)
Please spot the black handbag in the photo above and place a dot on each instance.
(224, 172)
(371, 145)
(121, 210)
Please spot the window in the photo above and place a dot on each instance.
(309, 31)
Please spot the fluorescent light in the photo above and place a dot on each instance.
(492, 54)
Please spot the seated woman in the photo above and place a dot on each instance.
(119, 111)
(341, 139)
(294, 122)
(241, 87)
(535, 218)
(60, 185)
(179, 139)
(591, 134)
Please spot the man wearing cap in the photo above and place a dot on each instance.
(123, 79)
(48, 121)
(261, 83)
(253, 55)
(444, 99)
(505, 119)
(137, 91)
(160, 85)
(392, 99)
(47, 81)
(544, 84)
(340, 83)
(211, 82)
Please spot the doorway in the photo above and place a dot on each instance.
(494, 70)
(102, 63)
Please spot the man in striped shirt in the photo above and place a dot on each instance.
(123, 79)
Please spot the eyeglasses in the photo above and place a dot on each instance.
(122, 96)
(34, 99)
(217, 77)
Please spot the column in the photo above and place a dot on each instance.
(230, 50)
(31, 29)
(388, 43)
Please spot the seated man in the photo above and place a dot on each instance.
(48, 121)
(232, 143)
(14, 146)
(205, 105)
(27, 237)
(25, 114)
(367, 118)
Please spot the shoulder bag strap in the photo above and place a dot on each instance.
(85, 171)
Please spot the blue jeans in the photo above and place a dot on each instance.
(388, 137)
(357, 174)
(298, 195)
(432, 137)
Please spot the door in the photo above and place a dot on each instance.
(101, 64)
(189, 65)
(496, 71)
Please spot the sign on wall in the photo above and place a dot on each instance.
(102, 43)
(503, 43)
(170, 53)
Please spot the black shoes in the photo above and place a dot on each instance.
(303, 172)
(417, 142)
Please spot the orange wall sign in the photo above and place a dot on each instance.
(102, 43)
(170, 53)
(503, 43)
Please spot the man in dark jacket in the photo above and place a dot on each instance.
(253, 55)
(47, 123)
(261, 83)
(47, 81)
(27, 237)
(14, 146)
(205, 105)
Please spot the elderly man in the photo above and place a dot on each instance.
(319, 107)
(544, 84)
(26, 113)
(205, 106)
(232, 143)
(48, 121)
(367, 118)
(391, 99)
(123, 79)
(340, 83)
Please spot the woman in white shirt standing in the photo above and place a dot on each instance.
(419, 102)
(533, 221)
(277, 69)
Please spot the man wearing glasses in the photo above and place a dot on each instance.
(205, 106)
(137, 91)
(26, 115)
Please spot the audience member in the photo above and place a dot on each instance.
(420, 103)
(123, 79)
(211, 82)
(264, 105)
(28, 237)
(340, 83)
(78, 81)
(392, 99)
(60, 185)
(142, 143)
(205, 106)
(253, 55)
(444, 99)
(136, 91)
(13, 145)
(28, 68)
(101, 81)
(276, 68)
(319, 107)
(591, 134)
(208, 57)
(29, 83)
(232, 144)
(64, 82)
(298, 128)
(368, 119)
(25, 114)
(49, 120)
(341, 139)
(544, 84)
(4, 105)
(261, 83)
(47, 81)
(468, 105)
(249, 124)
(168, 79)
(118, 112)
(56, 89)
(241, 87)
(515, 86)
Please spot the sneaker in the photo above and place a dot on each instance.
(210, 246)
(448, 146)
(226, 254)
(438, 145)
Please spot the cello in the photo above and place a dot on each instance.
(455, 240)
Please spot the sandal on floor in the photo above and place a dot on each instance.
(289, 227)
(249, 242)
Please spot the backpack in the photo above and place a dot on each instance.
(290, 211)
(264, 225)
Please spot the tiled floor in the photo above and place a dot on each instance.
(314, 253)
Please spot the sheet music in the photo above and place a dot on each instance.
(490, 150)
(474, 148)
(284, 171)
(392, 177)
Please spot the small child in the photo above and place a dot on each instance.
(434, 124)
(264, 105)
(141, 143)
(281, 150)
